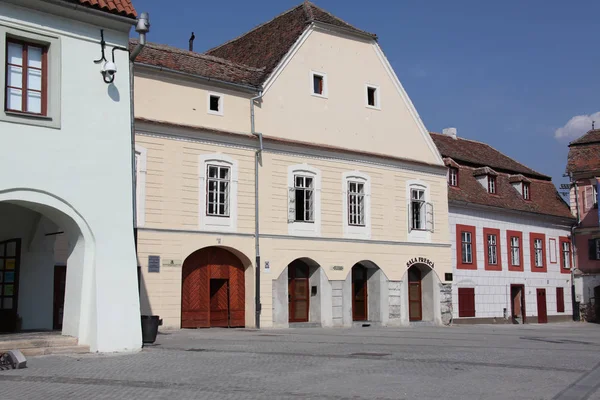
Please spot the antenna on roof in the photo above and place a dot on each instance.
(192, 41)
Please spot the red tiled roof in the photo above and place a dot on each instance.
(197, 64)
(480, 154)
(584, 153)
(473, 157)
(119, 7)
(265, 45)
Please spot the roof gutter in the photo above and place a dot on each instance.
(92, 11)
(239, 86)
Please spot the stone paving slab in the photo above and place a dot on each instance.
(555, 361)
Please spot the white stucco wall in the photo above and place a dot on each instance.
(84, 169)
(492, 288)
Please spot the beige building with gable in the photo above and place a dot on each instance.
(312, 121)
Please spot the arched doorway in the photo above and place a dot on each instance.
(360, 293)
(423, 294)
(415, 300)
(213, 290)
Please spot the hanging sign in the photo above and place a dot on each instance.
(420, 260)
(153, 263)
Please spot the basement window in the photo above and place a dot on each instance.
(215, 104)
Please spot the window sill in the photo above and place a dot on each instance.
(210, 112)
(322, 96)
(28, 115)
(373, 108)
(304, 222)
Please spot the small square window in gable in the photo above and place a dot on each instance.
(215, 103)
(372, 96)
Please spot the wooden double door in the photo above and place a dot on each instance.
(213, 290)
(298, 291)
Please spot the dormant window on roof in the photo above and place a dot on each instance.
(487, 178)
(453, 176)
(521, 185)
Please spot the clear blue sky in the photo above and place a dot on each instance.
(509, 73)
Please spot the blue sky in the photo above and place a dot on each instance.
(510, 73)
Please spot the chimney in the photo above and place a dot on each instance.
(192, 41)
(449, 132)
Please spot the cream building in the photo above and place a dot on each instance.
(312, 121)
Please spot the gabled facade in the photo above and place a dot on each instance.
(351, 191)
(67, 256)
(583, 168)
(511, 241)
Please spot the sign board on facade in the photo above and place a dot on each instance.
(337, 268)
(420, 260)
(153, 263)
(267, 267)
(171, 263)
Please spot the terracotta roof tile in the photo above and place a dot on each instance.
(120, 7)
(198, 64)
(584, 153)
(592, 136)
(265, 45)
(474, 158)
(480, 154)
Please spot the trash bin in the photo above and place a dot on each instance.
(150, 325)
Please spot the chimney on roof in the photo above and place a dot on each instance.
(449, 132)
(192, 41)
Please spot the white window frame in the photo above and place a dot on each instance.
(356, 231)
(419, 235)
(325, 93)
(515, 262)
(492, 181)
(300, 228)
(141, 157)
(210, 222)
(565, 253)
(450, 175)
(52, 119)
(466, 256)
(538, 253)
(221, 103)
(526, 190)
(552, 250)
(492, 248)
(217, 192)
(377, 105)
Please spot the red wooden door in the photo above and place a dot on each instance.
(466, 302)
(298, 292)
(560, 299)
(359, 293)
(415, 308)
(213, 290)
(541, 306)
(60, 279)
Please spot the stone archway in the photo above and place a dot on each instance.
(213, 290)
(368, 291)
(422, 294)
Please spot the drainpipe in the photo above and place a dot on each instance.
(257, 163)
(142, 27)
(574, 302)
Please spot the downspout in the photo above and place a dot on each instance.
(142, 27)
(257, 163)
(574, 302)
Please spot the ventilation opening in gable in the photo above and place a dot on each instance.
(317, 84)
(372, 97)
(215, 103)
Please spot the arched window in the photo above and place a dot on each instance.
(218, 192)
(304, 200)
(356, 192)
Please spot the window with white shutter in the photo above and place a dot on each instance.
(304, 200)
(420, 211)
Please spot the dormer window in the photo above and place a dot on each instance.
(526, 191)
(491, 184)
(453, 176)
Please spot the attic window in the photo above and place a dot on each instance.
(453, 176)
(491, 184)
(215, 103)
(526, 191)
(372, 96)
(319, 84)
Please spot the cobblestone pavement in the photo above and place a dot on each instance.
(554, 361)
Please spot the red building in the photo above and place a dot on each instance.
(583, 168)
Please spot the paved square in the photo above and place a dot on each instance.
(555, 361)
